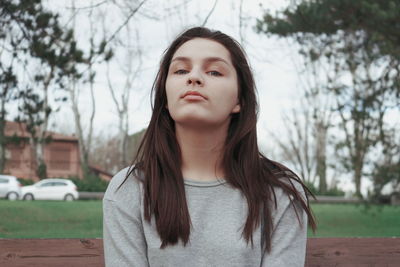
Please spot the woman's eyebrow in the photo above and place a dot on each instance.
(207, 60)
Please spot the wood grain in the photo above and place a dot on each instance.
(357, 252)
(321, 252)
(51, 252)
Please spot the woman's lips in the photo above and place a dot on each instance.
(193, 96)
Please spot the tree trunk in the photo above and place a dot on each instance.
(2, 146)
(84, 144)
(83, 151)
(321, 156)
(123, 136)
(39, 163)
(3, 142)
(39, 140)
(357, 180)
(42, 167)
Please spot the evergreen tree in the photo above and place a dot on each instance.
(47, 52)
(360, 40)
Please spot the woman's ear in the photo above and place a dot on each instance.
(236, 109)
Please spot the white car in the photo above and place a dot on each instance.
(51, 189)
(10, 187)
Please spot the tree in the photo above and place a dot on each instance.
(8, 83)
(363, 50)
(307, 127)
(48, 54)
(97, 53)
(306, 143)
(131, 66)
(8, 78)
(106, 152)
(100, 42)
(387, 168)
(299, 147)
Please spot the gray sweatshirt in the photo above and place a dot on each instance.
(218, 213)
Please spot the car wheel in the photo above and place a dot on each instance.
(12, 196)
(29, 197)
(69, 197)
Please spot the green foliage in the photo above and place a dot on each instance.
(90, 183)
(330, 192)
(335, 192)
(359, 40)
(42, 171)
(343, 28)
(312, 188)
(26, 181)
(383, 174)
(379, 19)
(8, 84)
(352, 33)
(34, 40)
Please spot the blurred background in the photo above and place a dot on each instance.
(76, 76)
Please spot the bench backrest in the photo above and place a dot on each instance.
(324, 252)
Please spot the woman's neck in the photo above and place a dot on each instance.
(201, 151)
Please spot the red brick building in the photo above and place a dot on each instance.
(61, 155)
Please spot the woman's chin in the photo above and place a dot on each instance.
(200, 122)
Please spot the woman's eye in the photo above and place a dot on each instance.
(214, 73)
(181, 72)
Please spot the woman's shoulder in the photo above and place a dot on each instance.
(285, 179)
(291, 186)
(289, 194)
(125, 184)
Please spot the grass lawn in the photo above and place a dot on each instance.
(50, 219)
(83, 219)
(350, 220)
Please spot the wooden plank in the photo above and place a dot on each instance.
(51, 252)
(334, 200)
(346, 252)
(321, 252)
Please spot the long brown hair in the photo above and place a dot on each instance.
(159, 158)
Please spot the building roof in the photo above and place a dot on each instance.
(19, 129)
(100, 170)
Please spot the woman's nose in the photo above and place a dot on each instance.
(195, 79)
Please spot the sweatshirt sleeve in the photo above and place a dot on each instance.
(123, 237)
(289, 237)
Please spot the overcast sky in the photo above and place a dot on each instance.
(272, 62)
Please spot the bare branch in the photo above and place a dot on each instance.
(241, 22)
(209, 13)
(87, 7)
(133, 12)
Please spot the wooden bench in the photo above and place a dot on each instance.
(321, 252)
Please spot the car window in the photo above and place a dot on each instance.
(46, 184)
(59, 184)
(3, 181)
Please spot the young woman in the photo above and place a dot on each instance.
(201, 193)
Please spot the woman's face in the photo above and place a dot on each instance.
(201, 86)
